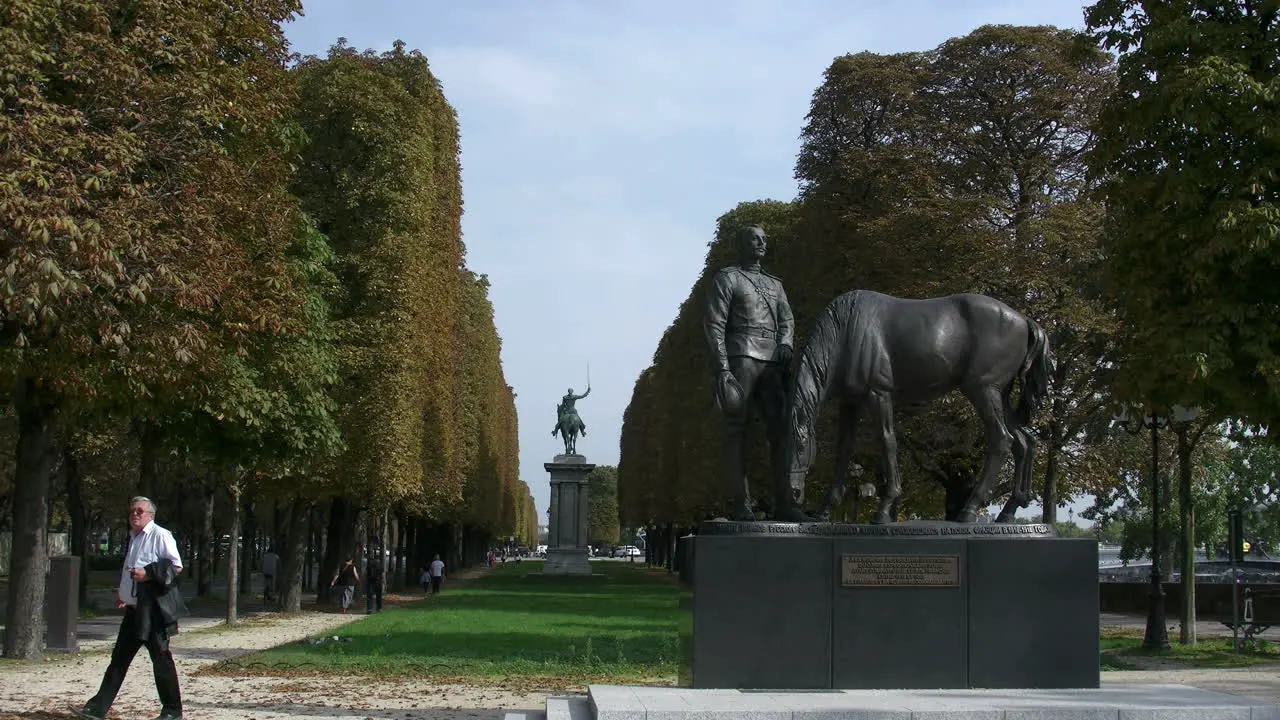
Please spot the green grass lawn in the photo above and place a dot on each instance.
(1122, 650)
(506, 625)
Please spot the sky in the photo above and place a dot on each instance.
(600, 142)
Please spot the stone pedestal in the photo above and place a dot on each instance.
(567, 531)
(908, 605)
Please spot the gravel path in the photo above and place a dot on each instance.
(46, 689)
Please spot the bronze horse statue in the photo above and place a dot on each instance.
(873, 350)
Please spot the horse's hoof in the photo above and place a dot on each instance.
(1005, 517)
(881, 518)
(967, 516)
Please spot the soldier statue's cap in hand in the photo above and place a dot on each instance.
(750, 333)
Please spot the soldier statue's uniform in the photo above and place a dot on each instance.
(750, 331)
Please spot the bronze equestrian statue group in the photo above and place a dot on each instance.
(568, 424)
(870, 352)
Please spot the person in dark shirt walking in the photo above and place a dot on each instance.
(349, 578)
(373, 586)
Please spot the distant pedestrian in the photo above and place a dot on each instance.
(424, 579)
(152, 604)
(349, 578)
(373, 586)
(437, 574)
(270, 566)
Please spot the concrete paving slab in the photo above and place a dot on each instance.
(1124, 702)
(568, 708)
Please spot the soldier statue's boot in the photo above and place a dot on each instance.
(790, 512)
(742, 510)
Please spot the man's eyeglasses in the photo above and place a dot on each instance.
(138, 511)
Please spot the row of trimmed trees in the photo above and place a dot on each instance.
(233, 280)
(1124, 202)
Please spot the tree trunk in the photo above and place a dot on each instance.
(149, 462)
(415, 557)
(1049, 501)
(279, 518)
(395, 573)
(233, 553)
(308, 580)
(29, 554)
(1188, 539)
(76, 512)
(247, 547)
(293, 554)
(454, 547)
(957, 489)
(204, 564)
(384, 558)
(339, 545)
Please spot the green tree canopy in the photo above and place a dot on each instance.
(146, 239)
(1187, 157)
(602, 502)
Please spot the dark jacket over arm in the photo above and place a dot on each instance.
(160, 601)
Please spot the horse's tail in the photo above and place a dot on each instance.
(1034, 375)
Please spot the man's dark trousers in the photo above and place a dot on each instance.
(373, 594)
(127, 644)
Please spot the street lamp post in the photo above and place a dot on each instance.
(1157, 634)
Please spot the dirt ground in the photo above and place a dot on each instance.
(46, 689)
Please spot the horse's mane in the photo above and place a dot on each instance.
(823, 345)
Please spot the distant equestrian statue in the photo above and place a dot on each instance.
(872, 350)
(568, 424)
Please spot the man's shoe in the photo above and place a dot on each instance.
(169, 716)
(88, 713)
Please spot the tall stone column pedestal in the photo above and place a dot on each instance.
(567, 541)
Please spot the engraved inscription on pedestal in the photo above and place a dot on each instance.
(900, 570)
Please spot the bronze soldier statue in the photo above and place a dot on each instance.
(568, 424)
(750, 330)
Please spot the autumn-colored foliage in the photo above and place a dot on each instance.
(380, 177)
(147, 219)
(252, 275)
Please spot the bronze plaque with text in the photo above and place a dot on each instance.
(900, 570)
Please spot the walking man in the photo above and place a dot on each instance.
(270, 566)
(152, 603)
(437, 574)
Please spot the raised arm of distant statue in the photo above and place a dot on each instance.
(579, 397)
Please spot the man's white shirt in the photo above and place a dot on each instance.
(437, 568)
(149, 545)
